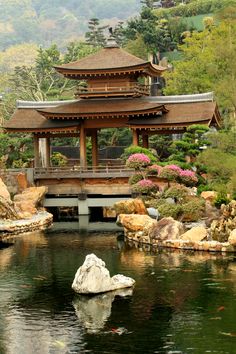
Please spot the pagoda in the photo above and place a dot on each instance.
(115, 94)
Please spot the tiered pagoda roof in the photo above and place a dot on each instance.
(113, 99)
(155, 113)
(110, 60)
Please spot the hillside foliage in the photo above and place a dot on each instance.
(58, 21)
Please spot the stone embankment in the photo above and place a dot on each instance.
(24, 213)
(219, 237)
(40, 221)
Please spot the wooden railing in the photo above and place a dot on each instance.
(78, 172)
(133, 89)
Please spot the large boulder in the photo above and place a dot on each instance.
(130, 206)
(93, 278)
(135, 222)
(196, 234)
(232, 238)
(211, 213)
(4, 193)
(166, 229)
(209, 196)
(29, 200)
(222, 227)
(7, 210)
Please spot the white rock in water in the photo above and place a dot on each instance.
(93, 277)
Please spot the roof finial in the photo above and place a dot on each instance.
(111, 41)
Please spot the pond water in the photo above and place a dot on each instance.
(182, 303)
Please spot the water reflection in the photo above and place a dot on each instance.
(181, 300)
(93, 312)
(6, 257)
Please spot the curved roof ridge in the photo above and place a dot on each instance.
(198, 97)
(40, 104)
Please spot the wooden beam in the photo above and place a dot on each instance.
(135, 137)
(145, 141)
(58, 135)
(83, 161)
(94, 140)
(47, 152)
(36, 151)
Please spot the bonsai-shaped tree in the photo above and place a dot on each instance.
(191, 144)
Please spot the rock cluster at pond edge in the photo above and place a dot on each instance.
(22, 215)
(172, 233)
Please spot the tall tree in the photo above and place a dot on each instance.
(95, 36)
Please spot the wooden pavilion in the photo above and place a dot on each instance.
(113, 97)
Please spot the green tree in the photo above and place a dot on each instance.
(207, 65)
(190, 144)
(95, 36)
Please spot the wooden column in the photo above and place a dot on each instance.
(82, 136)
(94, 139)
(36, 151)
(47, 152)
(145, 141)
(135, 137)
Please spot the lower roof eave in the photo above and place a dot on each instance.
(36, 131)
(172, 126)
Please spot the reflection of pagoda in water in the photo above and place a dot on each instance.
(112, 97)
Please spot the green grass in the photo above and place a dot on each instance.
(196, 21)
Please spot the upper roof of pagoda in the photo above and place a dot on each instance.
(108, 61)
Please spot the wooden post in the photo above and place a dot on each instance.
(145, 141)
(135, 137)
(47, 152)
(94, 140)
(36, 151)
(83, 161)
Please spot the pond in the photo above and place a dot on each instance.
(183, 302)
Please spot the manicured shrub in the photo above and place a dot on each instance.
(193, 209)
(139, 150)
(178, 192)
(170, 172)
(221, 199)
(135, 178)
(173, 210)
(188, 178)
(138, 161)
(154, 170)
(145, 186)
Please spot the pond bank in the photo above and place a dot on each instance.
(40, 221)
(171, 233)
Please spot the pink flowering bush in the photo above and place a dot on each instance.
(188, 178)
(170, 172)
(138, 161)
(145, 186)
(177, 174)
(154, 170)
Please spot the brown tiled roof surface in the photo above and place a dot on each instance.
(180, 113)
(83, 108)
(106, 58)
(30, 119)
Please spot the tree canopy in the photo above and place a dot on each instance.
(207, 65)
